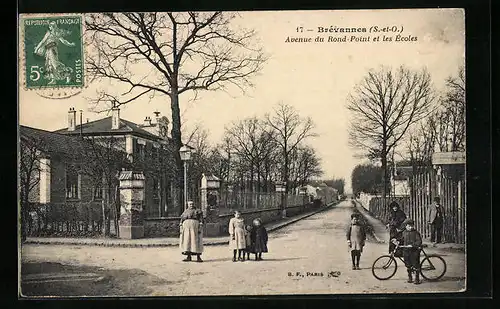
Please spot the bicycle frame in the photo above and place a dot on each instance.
(402, 259)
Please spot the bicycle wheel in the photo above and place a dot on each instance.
(384, 267)
(433, 267)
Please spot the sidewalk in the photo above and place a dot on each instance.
(381, 233)
(160, 241)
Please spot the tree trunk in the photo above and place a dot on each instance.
(177, 139)
(103, 208)
(117, 211)
(24, 214)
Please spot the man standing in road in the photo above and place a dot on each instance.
(435, 217)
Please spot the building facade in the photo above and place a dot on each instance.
(65, 179)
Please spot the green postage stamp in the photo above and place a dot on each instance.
(53, 52)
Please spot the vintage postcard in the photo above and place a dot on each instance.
(242, 153)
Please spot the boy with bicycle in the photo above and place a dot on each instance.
(411, 242)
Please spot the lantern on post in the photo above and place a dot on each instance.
(185, 154)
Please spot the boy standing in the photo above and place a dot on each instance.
(411, 240)
(356, 237)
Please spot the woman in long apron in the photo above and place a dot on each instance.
(191, 238)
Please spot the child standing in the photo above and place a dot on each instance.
(237, 232)
(259, 239)
(248, 238)
(356, 237)
(412, 241)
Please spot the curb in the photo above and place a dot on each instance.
(303, 217)
(365, 215)
(157, 245)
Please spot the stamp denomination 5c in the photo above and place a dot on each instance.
(53, 50)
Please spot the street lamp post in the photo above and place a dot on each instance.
(185, 153)
(281, 189)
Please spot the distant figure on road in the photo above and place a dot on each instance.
(237, 232)
(356, 237)
(396, 220)
(191, 238)
(259, 239)
(435, 217)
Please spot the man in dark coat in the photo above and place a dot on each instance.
(395, 224)
(435, 217)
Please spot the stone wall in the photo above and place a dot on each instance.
(169, 227)
(162, 227)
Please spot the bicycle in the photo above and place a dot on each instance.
(430, 263)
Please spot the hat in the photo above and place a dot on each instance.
(394, 204)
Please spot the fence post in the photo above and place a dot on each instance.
(131, 223)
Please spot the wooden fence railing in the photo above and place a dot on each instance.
(423, 188)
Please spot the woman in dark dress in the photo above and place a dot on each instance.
(396, 219)
(259, 239)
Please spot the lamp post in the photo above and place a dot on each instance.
(185, 153)
(281, 189)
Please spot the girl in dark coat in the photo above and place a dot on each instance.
(248, 238)
(259, 239)
(396, 219)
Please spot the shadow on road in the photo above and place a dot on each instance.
(451, 278)
(281, 259)
(58, 280)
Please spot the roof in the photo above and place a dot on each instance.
(211, 177)
(403, 172)
(103, 127)
(52, 143)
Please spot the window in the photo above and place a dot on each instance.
(140, 148)
(154, 154)
(72, 184)
(156, 188)
(97, 192)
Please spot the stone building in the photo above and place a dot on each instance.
(63, 183)
(146, 143)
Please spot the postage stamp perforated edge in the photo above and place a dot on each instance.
(51, 91)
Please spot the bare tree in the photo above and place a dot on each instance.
(170, 54)
(383, 106)
(443, 130)
(30, 166)
(289, 130)
(251, 143)
(454, 111)
(420, 143)
(305, 165)
(104, 158)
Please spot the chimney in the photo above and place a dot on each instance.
(115, 118)
(71, 119)
(147, 121)
(157, 114)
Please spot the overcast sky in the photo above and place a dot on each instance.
(315, 78)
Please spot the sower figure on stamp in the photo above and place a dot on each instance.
(191, 238)
(54, 69)
(435, 217)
